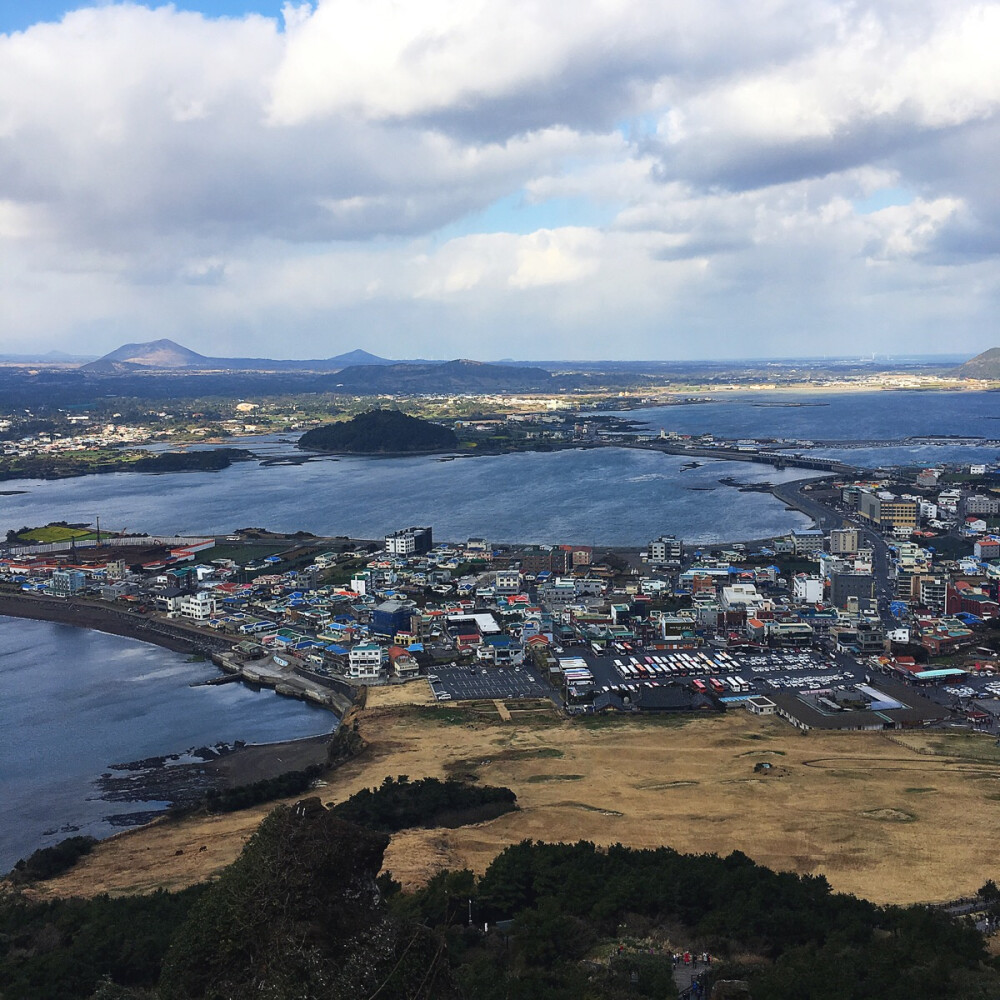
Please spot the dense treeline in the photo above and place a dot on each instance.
(808, 941)
(61, 950)
(244, 796)
(380, 431)
(401, 803)
(566, 922)
(212, 460)
(66, 465)
(47, 862)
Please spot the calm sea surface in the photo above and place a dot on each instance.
(847, 416)
(73, 702)
(607, 495)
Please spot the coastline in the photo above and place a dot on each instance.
(83, 614)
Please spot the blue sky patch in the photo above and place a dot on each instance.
(516, 214)
(16, 15)
(886, 198)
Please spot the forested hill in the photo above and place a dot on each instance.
(380, 432)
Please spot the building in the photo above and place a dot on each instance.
(507, 582)
(501, 651)
(365, 662)
(807, 589)
(844, 586)
(409, 541)
(982, 505)
(759, 705)
(843, 541)
(67, 582)
(987, 547)
(666, 548)
(391, 617)
(403, 662)
(933, 592)
(888, 512)
(199, 606)
(168, 599)
(807, 540)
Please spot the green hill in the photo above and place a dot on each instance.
(380, 432)
(985, 365)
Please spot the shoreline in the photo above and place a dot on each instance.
(81, 614)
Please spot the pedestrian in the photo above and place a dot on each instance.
(687, 958)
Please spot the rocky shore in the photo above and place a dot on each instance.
(223, 766)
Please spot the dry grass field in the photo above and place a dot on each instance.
(895, 819)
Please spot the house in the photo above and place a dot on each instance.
(501, 651)
(199, 606)
(403, 662)
(365, 662)
(168, 599)
(759, 705)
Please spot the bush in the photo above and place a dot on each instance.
(47, 862)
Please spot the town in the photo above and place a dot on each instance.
(884, 617)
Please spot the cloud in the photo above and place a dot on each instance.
(164, 172)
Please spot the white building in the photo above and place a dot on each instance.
(744, 595)
(199, 606)
(807, 589)
(365, 661)
(409, 541)
(507, 581)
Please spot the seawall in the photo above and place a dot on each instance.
(87, 614)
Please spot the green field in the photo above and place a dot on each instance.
(56, 533)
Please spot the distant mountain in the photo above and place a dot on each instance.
(357, 371)
(380, 431)
(449, 376)
(358, 357)
(985, 365)
(166, 355)
(155, 355)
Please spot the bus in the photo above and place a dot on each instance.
(699, 686)
(717, 686)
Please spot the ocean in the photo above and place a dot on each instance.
(73, 702)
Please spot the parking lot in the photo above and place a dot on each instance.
(474, 683)
(790, 670)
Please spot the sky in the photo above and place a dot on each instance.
(595, 179)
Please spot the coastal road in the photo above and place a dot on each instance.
(791, 495)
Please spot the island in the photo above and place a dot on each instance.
(380, 432)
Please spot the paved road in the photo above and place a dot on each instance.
(791, 494)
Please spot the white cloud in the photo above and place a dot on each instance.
(163, 173)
